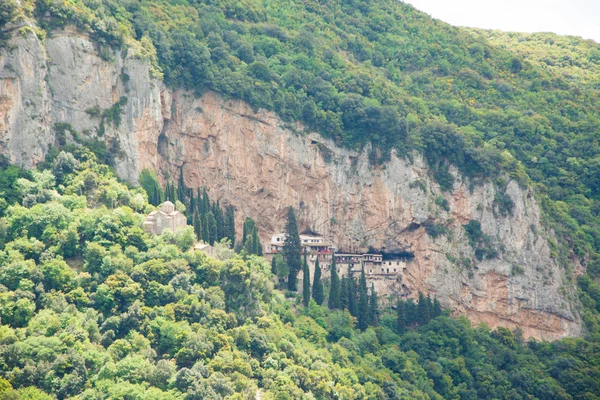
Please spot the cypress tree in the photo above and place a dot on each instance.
(192, 208)
(152, 195)
(411, 312)
(218, 212)
(158, 195)
(437, 308)
(344, 294)
(429, 306)
(251, 244)
(424, 314)
(334, 291)
(230, 223)
(172, 194)
(149, 182)
(210, 228)
(199, 202)
(274, 266)
(305, 282)
(292, 249)
(351, 293)
(248, 229)
(205, 234)
(205, 203)
(401, 320)
(197, 221)
(317, 289)
(181, 190)
(373, 307)
(363, 302)
(206, 200)
(256, 241)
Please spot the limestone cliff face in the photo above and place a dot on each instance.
(62, 80)
(254, 161)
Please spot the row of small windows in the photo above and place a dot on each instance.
(383, 270)
(304, 241)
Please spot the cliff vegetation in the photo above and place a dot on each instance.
(384, 74)
(94, 308)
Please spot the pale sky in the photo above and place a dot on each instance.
(565, 17)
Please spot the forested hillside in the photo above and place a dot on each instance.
(384, 74)
(94, 308)
(91, 307)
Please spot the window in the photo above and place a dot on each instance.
(388, 270)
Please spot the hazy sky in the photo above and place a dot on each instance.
(565, 17)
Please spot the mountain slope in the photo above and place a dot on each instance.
(94, 308)
(381, 73)
(376, 74)
(505, 275)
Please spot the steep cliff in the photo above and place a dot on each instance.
(261, 165)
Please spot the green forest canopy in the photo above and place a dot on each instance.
(92, 308)
(361, 73)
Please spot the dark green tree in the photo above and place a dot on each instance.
(172, 193)
(363, 301)
(373, 307)
(181, 189)
(401, 318)
(8, 11)
(218, 212)
(292, 249)
(437, 308)
(423, 310)
(343, 293)
(429, 305)
(317, 289)
(210, 228)
(197, 222)
(230, 225)
(193, 206)
(248, 229)
(412, 315)
(251, 244)
(258, 244)
(351, 295)
(305, 282)
(149, 182)
(167, 191)
(281, 269)
(199, 202)
(333, 302)
(159, 195)
(274, 266)
(204, 203)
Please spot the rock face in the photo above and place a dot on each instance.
(254, 161)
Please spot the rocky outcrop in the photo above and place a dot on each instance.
(261, 165)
